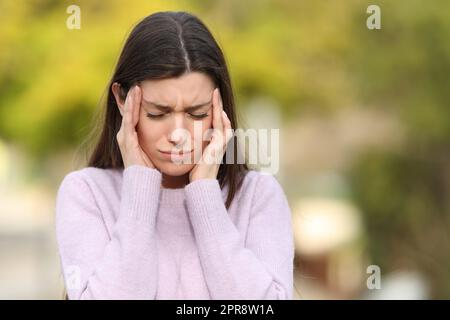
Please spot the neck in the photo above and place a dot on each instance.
(174, 182)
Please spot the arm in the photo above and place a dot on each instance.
(262, 268)
(97, 265)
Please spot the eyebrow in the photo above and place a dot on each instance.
(167, 108)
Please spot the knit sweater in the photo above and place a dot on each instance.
(121, 235)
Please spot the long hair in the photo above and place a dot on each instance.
(165, 45)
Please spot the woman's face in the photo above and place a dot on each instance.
(170, 108)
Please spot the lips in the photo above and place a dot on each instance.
(177, 153)
(176, 156)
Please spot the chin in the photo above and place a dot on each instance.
(175, 170)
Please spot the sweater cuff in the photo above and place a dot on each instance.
(206, 207)
(140, 192)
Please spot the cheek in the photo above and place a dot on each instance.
(207, 124)
(148, 133)
(198, 138)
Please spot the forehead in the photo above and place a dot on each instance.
(188, 89)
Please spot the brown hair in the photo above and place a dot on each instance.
(164, 45)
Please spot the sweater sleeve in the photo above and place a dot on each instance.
(260, 269)
(99, 265)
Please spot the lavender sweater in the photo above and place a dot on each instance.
(121, 235)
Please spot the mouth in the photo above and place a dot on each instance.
(176, 153)
(175, 156)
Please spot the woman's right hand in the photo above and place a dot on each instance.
(127, 138)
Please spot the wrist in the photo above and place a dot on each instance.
(210, 174)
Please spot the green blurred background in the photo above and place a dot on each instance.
(364, 118)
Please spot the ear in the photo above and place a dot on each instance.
(120, 103)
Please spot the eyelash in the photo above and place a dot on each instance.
(159, 116)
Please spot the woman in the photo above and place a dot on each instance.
(155, 215)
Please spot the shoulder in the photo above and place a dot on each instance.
(261, 189)
(89, 178)
(263, 197)
(261, 182)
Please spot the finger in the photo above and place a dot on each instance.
(127, 117)
(146, 159)
(122, 125)
(136, 105)
(217, 111)
(227, 127)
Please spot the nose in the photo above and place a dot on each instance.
(178, 136)
(178, 133)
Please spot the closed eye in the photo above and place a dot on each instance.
(160, 115)
(155, 116)
(198, 116)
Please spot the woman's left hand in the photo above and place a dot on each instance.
(208, 165)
